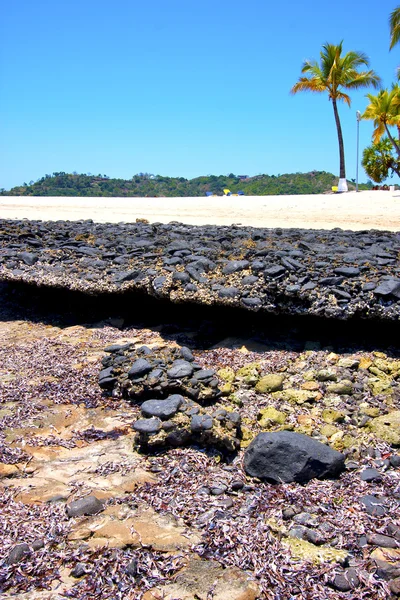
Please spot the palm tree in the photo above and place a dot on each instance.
(333, 74)
(384, 110)
(394, 24)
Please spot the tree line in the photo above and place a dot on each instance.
(144, 184)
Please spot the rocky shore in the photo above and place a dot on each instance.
(135, 461)
(333, 274)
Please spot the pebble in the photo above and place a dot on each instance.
(90, 505)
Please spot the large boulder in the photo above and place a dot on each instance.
(284, 456)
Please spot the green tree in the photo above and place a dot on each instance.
(378, 160)
(384, 111)
(394, 24)
(333, 74)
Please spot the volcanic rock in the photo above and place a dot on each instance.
(285, 456)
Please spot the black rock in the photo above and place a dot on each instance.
(148, 426)
(201, 423)
(139, 368)
(79, 570)
(370, 474)
(347, 271)
(18, 553)
(383, 541)
(275, 271)
(235, 265)
(90, 505)
(38, 544)
(229, 292)
(391, 287)
(374, 506)
(395, 460)
(28, 258)
(187, 354)
(164, 409)
(179, 369)
(284, 456)
(132, 568)
(346, 580)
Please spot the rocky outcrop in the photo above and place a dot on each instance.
(335, 274)
(175, 394)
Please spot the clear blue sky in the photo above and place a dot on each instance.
(177, 87)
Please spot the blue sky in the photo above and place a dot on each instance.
(177, 87)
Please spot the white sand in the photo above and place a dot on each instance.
(362, 210)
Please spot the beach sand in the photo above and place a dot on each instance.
(351, 210)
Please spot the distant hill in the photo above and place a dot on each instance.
(145, 184)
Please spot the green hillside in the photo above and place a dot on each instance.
(144, 184)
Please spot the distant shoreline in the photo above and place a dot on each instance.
(355, 211)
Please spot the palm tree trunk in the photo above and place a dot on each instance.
(342, 174)
(392, 140)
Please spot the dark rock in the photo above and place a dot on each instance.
(204, 374)
(18, 553)
(390, 287)
(384, 541)
(252, 302)
(237, 485)
(178, 437)
(201, 423)
(288, 513)
(164, 409)
(275, 271)
(285, 456)
(38, 544)
(331, 280)
(139, 368)
(90, 505)
(235, 265)
(374, 506)
(217, 490)
(346, 580)
(187, 354)
(28, 258)
(180, 369)
(395, 460)
(78, 571)
(181, 276)
(229, 292)
(314, 537)
(298, 531)
(132, 568)
(347, 271)
(394, 586)
(148, 426)
(370, 474)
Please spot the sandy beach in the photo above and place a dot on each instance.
(356, 211)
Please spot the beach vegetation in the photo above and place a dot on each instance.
(380, 161)
(335, 74)
(65, 184)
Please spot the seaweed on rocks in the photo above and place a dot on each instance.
(177, 397)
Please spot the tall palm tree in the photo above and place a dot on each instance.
(394, 24)
(384, 110)
(333, 74)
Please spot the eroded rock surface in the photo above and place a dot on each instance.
(336, 274)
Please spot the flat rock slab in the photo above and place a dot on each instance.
(335, 274)
(202, 579)
(284, 456)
